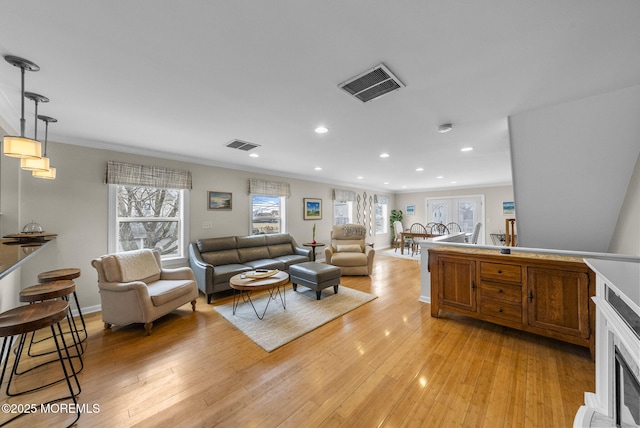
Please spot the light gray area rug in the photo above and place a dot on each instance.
(303, 314)
(396, 253)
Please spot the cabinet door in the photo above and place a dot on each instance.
(558, 300)
(457, 283)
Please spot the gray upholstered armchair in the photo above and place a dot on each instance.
(349, 251)
(134, 288)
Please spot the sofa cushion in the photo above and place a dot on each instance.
(223, 257)
(280, 250)
(265, 264)
(291, 259)
(252, 247)
(164, 291)
(216, 244)
(222, 274)
(349, 248)
(349, 259)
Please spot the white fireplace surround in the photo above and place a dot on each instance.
(623, 278)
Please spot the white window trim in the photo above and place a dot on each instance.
(112, 244)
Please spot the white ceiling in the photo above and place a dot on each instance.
(180, 79)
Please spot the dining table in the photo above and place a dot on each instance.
(408, 234)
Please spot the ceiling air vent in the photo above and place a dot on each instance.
(372, 84)
(242, 145)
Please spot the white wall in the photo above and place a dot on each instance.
(493, 199)
(626, 237)
(572, 164)
(75, 206)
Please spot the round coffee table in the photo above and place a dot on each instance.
(244, 286)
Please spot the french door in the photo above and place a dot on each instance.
(464, 210)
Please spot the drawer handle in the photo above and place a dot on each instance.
(499, 290)
(499, 271)
(499, 309)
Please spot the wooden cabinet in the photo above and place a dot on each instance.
(543, 294)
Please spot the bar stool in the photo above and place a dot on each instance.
(65, 274)
(29, 318)
(49, 291)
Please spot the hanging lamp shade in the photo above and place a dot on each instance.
(21, 147)
(41, 164)
(49, 174)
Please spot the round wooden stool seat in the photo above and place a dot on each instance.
(25, 319)
(47, 291)
(59, 274)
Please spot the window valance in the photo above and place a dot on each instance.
(149, 176)
(382, 199)
(344, 195)
(271, 188)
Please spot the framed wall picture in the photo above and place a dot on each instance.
(312, 209)
(508, 208)
(411, 210)
(218, 200)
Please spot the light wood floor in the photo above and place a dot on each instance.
(387, 363)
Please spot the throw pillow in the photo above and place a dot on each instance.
(349, 248)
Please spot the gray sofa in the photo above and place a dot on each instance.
(215, 260)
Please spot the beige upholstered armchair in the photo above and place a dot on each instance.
(349, 251)
(134, 288)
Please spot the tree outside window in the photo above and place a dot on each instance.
(148, 217)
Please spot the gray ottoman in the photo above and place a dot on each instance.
(316, 276)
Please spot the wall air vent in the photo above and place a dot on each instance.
(372, 84)
(242, 145)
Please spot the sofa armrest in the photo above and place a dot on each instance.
(120, 287)
(328, 253)
(177, 273)
(200, 268)
(306, 252)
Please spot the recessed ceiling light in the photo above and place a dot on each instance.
(466, 149)
(384, 155)
(318, 168)
(440, 176)
(322, 129)
(254, 155)
(453, 182)
(386, 182)
(359, 177)
(445, 127)
(419, 169)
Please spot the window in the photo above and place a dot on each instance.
(343, 206)
(268, 214)
(342, 212)
(148, 208)
(464, 210)
(148, 217)
(382, 218)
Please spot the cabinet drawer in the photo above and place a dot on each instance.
(499, 271)
(503, 292)
(501, 309)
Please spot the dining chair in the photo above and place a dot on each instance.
(417, 228)
(454, 227)
(439, 229)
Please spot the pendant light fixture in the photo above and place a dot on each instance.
(20, 146)
(50, 172)
(41, 164)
